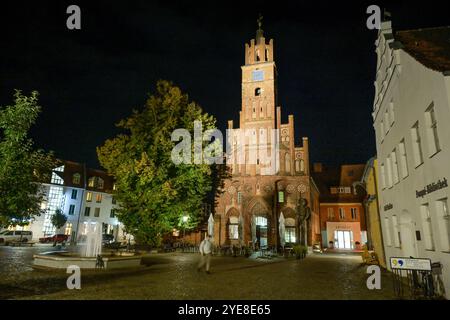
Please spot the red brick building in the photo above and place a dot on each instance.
(342, 216)
(249, 209)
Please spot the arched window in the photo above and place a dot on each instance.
(302, 165)
(257, 92)
(233, 228)
(76, 178)
(290, 230)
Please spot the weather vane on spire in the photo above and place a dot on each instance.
(259, 21)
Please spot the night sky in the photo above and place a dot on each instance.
(91, 78)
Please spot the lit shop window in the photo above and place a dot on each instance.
(68, 229)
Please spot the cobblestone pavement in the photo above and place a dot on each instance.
(174, 276)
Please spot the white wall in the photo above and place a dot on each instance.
(78, 216)
(413, 88)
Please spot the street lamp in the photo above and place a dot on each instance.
(185, 219)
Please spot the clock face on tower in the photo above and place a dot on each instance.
(257, 75)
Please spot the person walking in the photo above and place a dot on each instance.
(206, 252)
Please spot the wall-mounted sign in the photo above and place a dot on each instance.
(410, 264)
(388, 207)
(432, 187)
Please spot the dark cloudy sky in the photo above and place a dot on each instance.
(91, 78)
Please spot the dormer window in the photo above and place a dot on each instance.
(76, 178)
(91, 182)
(100, 183)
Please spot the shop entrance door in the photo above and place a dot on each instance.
(343, 239)
(261, 231)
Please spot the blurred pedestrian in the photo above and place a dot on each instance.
(206, 252)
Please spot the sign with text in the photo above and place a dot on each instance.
(410, 264)
(432, 187)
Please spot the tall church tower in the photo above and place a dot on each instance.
(258, 83)
(260, 114)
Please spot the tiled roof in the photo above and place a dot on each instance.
(71, 168)
(430, 47)
(341, 176)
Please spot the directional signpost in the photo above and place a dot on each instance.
(416, 273)
(410, 264)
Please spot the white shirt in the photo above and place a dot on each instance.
(205, 246)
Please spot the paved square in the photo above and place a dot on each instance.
(174, 276)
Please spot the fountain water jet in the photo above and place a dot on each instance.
(86, 256)
(93, 245)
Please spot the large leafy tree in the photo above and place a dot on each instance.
(22, 168)
(155, 193)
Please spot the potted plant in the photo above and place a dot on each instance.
(300, 251)
(247, 251)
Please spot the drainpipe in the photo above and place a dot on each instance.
(81, 202)
(378, 212)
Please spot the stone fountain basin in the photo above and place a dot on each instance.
(64, 259)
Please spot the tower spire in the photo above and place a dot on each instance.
(259, 32)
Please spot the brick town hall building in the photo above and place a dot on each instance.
(248, 211)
